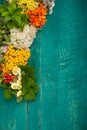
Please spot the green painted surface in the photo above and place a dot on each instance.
(60, 56)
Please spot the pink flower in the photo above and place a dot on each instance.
(4, 49)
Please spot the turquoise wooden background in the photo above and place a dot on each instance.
(60, 56)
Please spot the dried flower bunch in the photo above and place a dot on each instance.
(19, 22)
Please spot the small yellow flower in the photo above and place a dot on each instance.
(19, 93)
(19, 82)
(16, 70)
(19, 87)
(14, 86)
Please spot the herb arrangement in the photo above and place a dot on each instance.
(19, 22)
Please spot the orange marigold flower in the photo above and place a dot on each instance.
(38, 16)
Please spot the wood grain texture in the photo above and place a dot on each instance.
(59, 54)
(63, 70)
(12, 115)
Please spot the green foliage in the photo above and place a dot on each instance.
(4, 32)
(30, 95)
(19, 99)
(7, 95)
(1, 59)
(12, 15)
(3, 84)
(1, 79)
(38, 0)
(29, 70)
(30, 87)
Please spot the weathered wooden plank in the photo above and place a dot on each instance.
(13, 116)
(59, 54)
(34, 108)
(63, 65)
(64, 76)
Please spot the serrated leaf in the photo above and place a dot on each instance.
(13, 7)
(7, 95)
(18, 20)
(8, 18)
(10, 10)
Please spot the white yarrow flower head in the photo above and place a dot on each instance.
(23, 39)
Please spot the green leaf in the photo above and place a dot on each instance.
(1, 80)
(19, 99)
(8, 18)
(7, 95)
(3, 8)
(13, 7)
(10, 10)
(17, 10)
(13, 92)
(10, 24)
(24, 90)
(4, 85)
(30, 71)
(7, 39)
(18, 20)
(1, 59)
(30, 95)
(36, 88)
(5, 13)
(24, 18)
(12, 14)
(27, 82)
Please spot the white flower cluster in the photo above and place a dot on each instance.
(23, 39)
(17, 85)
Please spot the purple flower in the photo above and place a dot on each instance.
(4, 49)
